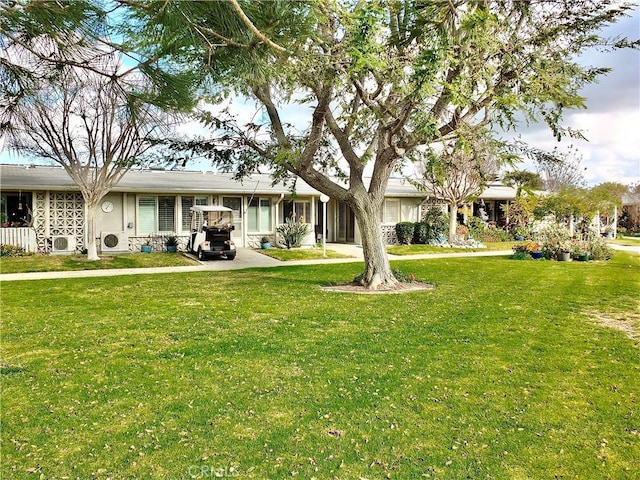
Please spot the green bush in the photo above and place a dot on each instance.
(476, 227)
(494, 235)
(598, 249)
(404, 232)
(7, 250)
(438, 222)
(421, 233)
(555, 239)
(520, 255)
(293, 232)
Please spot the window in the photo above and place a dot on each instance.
(166, 214)
(399, 210)
(391, 210)
(146, 214)
(408, 211)
(186, 204)
(301, 209)
(259, 215)
(156, 214)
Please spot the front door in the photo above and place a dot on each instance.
(235, 204)
(346, 223)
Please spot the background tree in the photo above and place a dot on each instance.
(559, 170)
(608, 195)
(523, 181)
(459, 173)
(92, 126)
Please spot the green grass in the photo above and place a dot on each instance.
(420, 249)
(300, 254)
(57, 263)
(502, 372)
(628, 241)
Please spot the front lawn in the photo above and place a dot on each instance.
(287, 255)
(58, 263)
(508, 370)
(628, 241)
(418, 249)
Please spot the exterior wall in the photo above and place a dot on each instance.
(58, 214)
(62, 213)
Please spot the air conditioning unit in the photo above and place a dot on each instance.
(114, 242)
(63, 244)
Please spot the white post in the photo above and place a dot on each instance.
(324, 199)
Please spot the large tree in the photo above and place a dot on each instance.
(376, 80)
(91, 125)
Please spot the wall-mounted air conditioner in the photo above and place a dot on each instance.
(114, 242)
(63, 244)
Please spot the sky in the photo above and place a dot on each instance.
(611, 122)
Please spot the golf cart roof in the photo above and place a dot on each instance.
(210, 208)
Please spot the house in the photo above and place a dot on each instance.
(45, 210)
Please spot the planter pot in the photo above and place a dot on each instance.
(564, 256)
(536, 255)
(583, 258)
(146, 248)
(172, 248)
(265, 246)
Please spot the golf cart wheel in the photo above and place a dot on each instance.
(200, 254)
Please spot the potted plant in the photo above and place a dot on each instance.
(265, 243)
(146, 246)
(534, 249)
(580, 253)
(563, 254)
(5, 220)
(171, 242)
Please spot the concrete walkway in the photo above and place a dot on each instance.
(246, 258)
(249, 258)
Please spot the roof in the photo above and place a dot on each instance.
(39, 177)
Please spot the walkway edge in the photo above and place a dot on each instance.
(224, 266)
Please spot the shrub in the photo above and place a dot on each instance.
(404, 232)
(293, 232)
(7, 250)
(518, 255)
(555, 239)
(476, 226)
(598, 249)
(421, 233)
(438, 222)
(494, 235)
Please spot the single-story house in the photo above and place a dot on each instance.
(44, 211)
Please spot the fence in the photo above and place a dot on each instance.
(23, 237)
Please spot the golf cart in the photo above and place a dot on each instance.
(210, 236)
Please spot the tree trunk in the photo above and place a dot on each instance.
(453, 222)
(377, 271)
(92, 249)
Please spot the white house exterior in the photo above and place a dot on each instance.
(46, 211)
